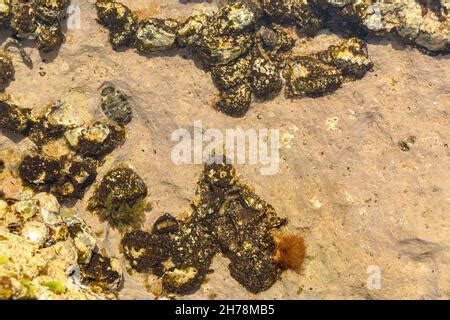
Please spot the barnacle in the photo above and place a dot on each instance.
(6, 69)
(115, 105)
(120, 198)
(12, 117)
(227, 217)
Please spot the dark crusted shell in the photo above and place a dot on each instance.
(265, 78)
(6, 69)
(235, 102)
(350, 56)
(120, 20)
(50, 36)
(299, 12)
(50, 10)
(39, 171)
(156, 35)
(308, 76)
(230, 75)
(99, 139)
(12, 117)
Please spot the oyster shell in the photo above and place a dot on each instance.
(23, 21)
(265, 78)
(232, 74)
(83, 238)
(6, 69)
(49, 208)
(214, 50)
(156, 35)
(326, 71)
(39, 171)
(235, 102)
(50, 36)
(97, 140)
(50, 10)
(189, 32)
(236, 18)
(12, 117)
(308, 76)
(36, 232)
(119, 19)
(299, 12)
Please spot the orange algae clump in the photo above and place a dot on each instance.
(290, 251)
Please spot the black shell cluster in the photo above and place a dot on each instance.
(227, 218)
(38, 19)
(247, 48)
(69, 175)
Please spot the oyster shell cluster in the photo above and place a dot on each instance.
(48, 252)
(247, 48)
(68, 152)
(227, 218)
(425, 24)
(35, 19)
